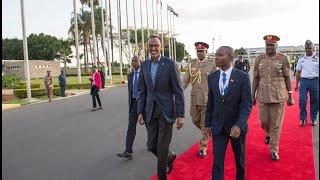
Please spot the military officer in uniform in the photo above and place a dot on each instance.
(197, 75)
(271, 86)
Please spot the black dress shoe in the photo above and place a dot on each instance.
(267, 140)
(99, 108)
(313, 123)
(171, 158)
(202, 153)
(125, 155)
(275, 156)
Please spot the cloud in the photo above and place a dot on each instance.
(235, 11)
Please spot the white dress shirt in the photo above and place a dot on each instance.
(309, 66)
(221, 86)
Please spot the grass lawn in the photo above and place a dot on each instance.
(74, 80)
(26, 101)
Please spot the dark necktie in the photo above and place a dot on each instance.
(135, 85)
(224, 79)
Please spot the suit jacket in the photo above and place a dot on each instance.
(167, 91)
(234, 108)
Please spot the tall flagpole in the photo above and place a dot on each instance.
(108, 42)
(168, 23)
(157, 9)
(25, 52)
(77, 40)
(135, 28)
(152, 16)
(128, 34)
(161, 28)
(147, 12)
(142, 33)
(93, 34)
(172, 35)
(174, 39)
(104, 42)
(120, 38)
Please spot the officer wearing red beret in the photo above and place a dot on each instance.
(196, 75)
(271, 86)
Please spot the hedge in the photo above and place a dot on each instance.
(23, 86)
(75, 86)
(22, 93)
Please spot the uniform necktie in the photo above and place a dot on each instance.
(224, 79)
(135, 85)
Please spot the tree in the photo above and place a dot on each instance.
(12, 49)
(40, 47)
(240, 51)
(43, 47)
(65, 53)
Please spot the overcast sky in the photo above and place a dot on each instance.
(237, 23)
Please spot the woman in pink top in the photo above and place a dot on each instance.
(95, 88)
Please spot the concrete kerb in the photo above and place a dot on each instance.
(13, 106)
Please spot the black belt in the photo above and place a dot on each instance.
(135, 99)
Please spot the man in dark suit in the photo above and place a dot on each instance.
(228, 108)
(242, 64)
(133, 95)
(161, 98)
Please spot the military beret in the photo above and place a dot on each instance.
(201, 46)
(271, 39)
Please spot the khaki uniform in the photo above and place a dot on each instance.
(49, 86)
(272, 94)
(197, 75)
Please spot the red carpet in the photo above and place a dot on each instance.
(296, 153)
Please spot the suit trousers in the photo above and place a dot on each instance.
(159, 138)
(220, 143)
(271, 118)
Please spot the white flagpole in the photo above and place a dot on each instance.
(135, 28)
(93, 34)
(157, 7)
(108, 42)
(120, 38)
(174, 39)
(25, 52)
(152, 16)
(161, 28)
(142, 33)
(147, 12)
(104, 42)
(168, 23)
(77, 40)
(128, 34)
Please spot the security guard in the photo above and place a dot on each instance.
(196, 75)
(242, 64)
(272, 87)
(308, 70)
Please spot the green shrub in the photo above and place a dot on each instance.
(77, 86)
(33, 86)
(22, 93)
(10, 81)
